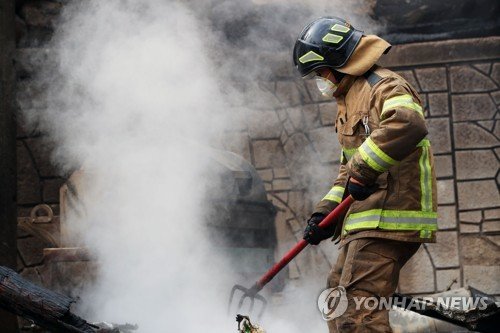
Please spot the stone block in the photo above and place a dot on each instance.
(31, 250)
(488, 124)
(297, 147)
(494, 239)
(438, 104)
(439, 52)
(296, 117)
(28, 182)
(41, 14)
(31, 274)
(51, 190)
(444, 252)
(482, 277)
(256, 96)
(478, 250)
(439, 134)
(282, 115)
(496, 96)
(445, 192)
(408, 76)
(492, 214)
(281, 173)
(289, 93)
(446, 278)
(283, 137)
(328, 113)
(288, 126)
(299, 204)
(281, 65)
(468, 79)
(495, 72)
(471, 217)
(496, 129)
(311, 116)
(478, 194)
(263, 124)
(282, 185)
(447, 217)
(483, 67)
(325, 142)
(443, 165)
(469, 228)
(432, 79)
(472, 107)
(469, 135)
(491, 226)
(417, 276)
(295, 225)
(41, 149)
(268, 153)
(476, 164)
(266, 174)
(283, 196)
(238, 143)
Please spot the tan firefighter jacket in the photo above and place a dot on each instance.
(381, 128)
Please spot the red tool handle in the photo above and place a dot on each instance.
(327, 221)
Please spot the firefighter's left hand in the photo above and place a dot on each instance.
(360, 191)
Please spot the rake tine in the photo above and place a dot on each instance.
(242, 299)
(264, 305)
(252, 302)
(231, 296)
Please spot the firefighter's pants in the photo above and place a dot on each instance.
(368, 267)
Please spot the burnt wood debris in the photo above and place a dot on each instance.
(46, 308)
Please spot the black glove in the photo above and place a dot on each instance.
(313, 234)
(361, 192)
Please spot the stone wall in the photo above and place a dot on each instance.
(38, 181)
(288, 136)
(294, 142)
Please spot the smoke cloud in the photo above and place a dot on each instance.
(135, 91)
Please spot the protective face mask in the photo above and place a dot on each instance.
(325, 86)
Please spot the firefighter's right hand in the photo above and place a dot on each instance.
(313, 234)
(360, 191)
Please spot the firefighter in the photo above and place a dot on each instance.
(386, 166)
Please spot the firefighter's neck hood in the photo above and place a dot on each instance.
(366, 54)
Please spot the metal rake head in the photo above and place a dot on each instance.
(247, 293)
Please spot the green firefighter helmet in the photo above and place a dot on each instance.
(326, 42)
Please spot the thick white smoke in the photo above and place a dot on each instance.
(134, 98)
(136, 90)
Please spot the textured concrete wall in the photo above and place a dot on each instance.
(288, 136)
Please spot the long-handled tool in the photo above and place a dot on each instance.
(252, 293)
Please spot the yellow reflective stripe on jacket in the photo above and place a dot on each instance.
(424, 143)
(349, 152)
(425, 179)
(375, 157)
(403, 101)
(335, 194)
(392, 220)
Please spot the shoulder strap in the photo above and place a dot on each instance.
(372, 77)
